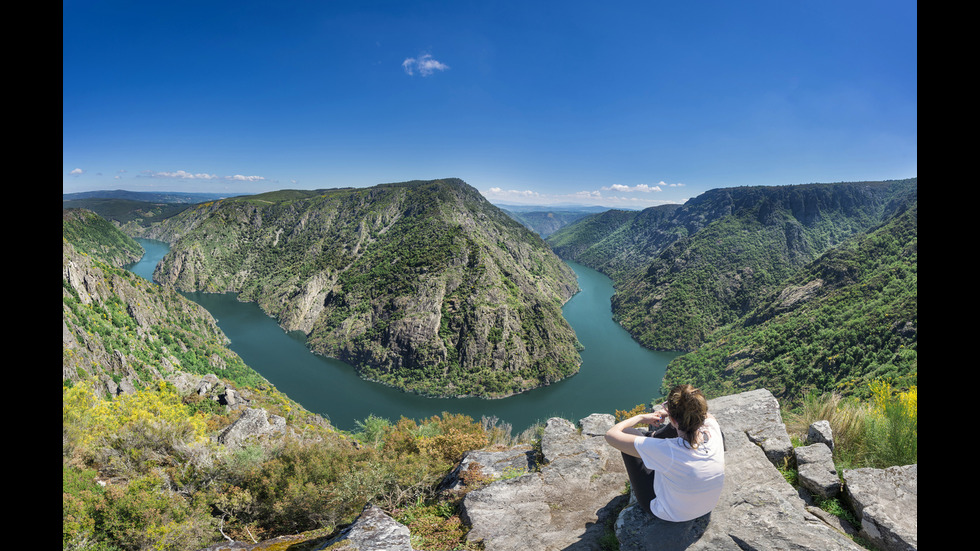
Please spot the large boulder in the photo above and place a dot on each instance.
(253, 422)
(756, 414)
(886, 501)
(373, 530)
(567, 504)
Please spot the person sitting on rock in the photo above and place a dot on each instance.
(677, 470)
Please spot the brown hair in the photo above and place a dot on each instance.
(688, 407)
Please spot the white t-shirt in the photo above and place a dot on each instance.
(687, 481)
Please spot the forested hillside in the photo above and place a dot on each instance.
(422, 285)
(840, 323)
(683, 273)
(93, 234)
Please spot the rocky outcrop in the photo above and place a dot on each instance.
(254, 422)
(566, 504)
(372, 531)
(815, 467)
(114, 322)
(886, 501)
(576, 498)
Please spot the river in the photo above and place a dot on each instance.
(616, 372)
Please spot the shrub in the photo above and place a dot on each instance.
(847, 418)
(80, 499)
(879, 433)
(144, 514)
(132, 433)
(892, 428)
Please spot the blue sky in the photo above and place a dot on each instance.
(622, 104)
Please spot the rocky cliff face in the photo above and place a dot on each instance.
(421, 285)
(128, 332)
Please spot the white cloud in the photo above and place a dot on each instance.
(183, 175)
(423, 64)
(76, 171)
(615, 198)
(642, 188)
(502, 193)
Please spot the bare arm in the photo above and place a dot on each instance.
(622, 435)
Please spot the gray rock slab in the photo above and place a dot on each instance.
(886, 502)
(493, 464)
(373, 530)
(755, 413)
(255, 422)
(565, 505)
(820, 432)
(816, 470)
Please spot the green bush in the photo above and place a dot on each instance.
(892, 428)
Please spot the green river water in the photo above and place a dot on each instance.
(616, 372)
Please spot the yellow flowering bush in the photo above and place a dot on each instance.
(892, 426)
(129, 430)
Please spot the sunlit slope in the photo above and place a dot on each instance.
(423, 285)
(848, 318)
(683, 273)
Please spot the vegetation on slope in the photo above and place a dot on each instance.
(682, 272)
(93, 234)
(144, 471)
(421, 285)
(119, 327)
(143, 467)
(838, 324)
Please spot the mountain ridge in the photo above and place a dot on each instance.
(417, 284)
(682, 271)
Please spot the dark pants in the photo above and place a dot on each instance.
(641, 478)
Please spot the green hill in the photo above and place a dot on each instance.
(422, 285)
(683, 271)
(842, 321)
(92, 234)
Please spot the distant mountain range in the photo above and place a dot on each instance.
(146, 196)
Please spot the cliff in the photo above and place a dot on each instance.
(421, 285)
